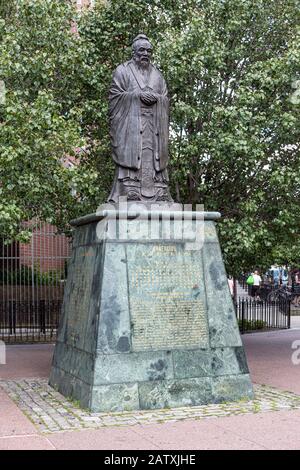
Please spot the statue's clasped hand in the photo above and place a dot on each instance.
(148, 98)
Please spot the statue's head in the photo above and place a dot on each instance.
(141, 50)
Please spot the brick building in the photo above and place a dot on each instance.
(46, 251)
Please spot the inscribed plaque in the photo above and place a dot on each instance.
(166, 298)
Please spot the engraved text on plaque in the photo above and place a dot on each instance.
(166, 299)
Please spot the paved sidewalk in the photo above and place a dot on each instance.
(270, 358)
(27, 360)
(51, 412)
(272, 421)
(242, 291)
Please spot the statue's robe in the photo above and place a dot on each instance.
(139, 133)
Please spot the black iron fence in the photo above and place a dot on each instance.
(32, 279)
(262, 315)
(28, 321)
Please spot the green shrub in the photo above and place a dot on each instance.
(250, 325)
(26, 276)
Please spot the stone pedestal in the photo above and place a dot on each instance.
(148, 320)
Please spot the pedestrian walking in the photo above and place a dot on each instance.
(256, 284)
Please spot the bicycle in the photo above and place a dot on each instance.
(280, 293)
(296, 296)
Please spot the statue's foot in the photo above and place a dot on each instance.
(164, 196)
(133, 196)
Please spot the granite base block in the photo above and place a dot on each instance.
(148, 322)
(194, 391)
(71, 387)
(115, 397)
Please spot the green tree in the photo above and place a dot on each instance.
(40, 61)
(232, 68)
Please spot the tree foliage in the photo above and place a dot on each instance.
(231, 68)
(40, 117)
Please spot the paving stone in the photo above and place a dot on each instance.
(60, 414)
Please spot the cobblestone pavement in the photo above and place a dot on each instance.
(52, 412)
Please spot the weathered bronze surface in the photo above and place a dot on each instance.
(139, 128)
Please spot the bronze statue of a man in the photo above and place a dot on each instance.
(139, 128)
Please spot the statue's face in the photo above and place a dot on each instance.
(142, 53)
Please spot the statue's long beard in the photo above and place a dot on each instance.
(144, 65)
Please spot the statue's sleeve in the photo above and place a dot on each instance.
(124, 119)
(163, 99)
(118, 93)
(162, 123)
(164, 89)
